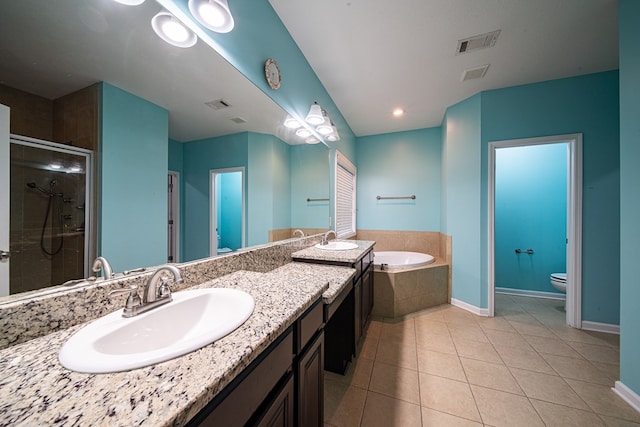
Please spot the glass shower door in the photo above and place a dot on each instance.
(48, 214)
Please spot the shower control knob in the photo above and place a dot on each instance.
(5, 254)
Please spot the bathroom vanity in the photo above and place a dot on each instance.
(347, 313)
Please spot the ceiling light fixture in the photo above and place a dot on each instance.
(130, 2)
(315, 116)
(213, 14)
(171, 30)
(303, 132)
(334, 135)
(291, 123)
(312, 140)
(398, 112)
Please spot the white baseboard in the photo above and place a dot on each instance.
(471, 308)
(627, 395)
(533, 294)
(601, 327)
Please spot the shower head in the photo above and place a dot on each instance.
(49, 193)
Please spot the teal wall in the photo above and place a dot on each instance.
(200, 157)
(460, 210)
(229, 198)
(309, 179)
(176, 164)
(629, 14)
(132, 210)
(589, 105)
(530, 212)
(399, 164)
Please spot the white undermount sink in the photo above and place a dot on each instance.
(192, 320)
(337, 246)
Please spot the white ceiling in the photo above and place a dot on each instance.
(375, 55)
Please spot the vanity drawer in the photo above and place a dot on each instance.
(310, 323)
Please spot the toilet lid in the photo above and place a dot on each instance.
(562, 277)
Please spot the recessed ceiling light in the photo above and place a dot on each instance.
(171, 30)
(130, 2)
(291, 123)
(312, 140)
(213, 14)
(55, 166)
(303, 132)
(398, 112)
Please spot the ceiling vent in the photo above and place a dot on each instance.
(474, 73)
(218, 104)
(477, 42)
(238, 120)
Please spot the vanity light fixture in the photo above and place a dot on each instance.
(312, 140)
(334, 135)
(325, 127)
(291, 123)
(315, 116)
(303, 132)
(213, 14)
(130, 2)
(171, 30)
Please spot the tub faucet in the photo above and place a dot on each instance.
(325, 237)
(101, 263)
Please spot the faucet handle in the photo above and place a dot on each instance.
(164, 290)
(132, 301)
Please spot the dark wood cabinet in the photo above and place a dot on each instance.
(280, 413)
(310, 381)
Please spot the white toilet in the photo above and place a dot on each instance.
(559, 281)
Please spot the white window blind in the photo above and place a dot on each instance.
(345, 197)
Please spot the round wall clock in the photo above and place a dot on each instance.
(272, 73)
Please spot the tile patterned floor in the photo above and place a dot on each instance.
(447, 367)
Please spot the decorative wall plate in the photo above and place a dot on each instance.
(272, 73)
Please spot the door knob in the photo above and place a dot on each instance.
(4, 254)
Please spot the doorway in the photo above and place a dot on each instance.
(173, 221)
(573, 250)
(227, 220)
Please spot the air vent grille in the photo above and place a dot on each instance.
(474, 73)
(218, 104)
(478, 42)
(238, 120)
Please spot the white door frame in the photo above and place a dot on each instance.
(213, 207)
(175, 209)
(574, 219)
(4, 197)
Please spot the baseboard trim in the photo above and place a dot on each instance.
(601, 327)
(627, 395)
(471, 308)
(533, 294)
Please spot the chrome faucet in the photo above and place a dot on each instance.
(101, 263)
(298, 231)
(325, 237)
(152, 295)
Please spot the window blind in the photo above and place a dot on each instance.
(345, 197)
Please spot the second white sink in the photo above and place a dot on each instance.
(192, 320)
(337, 246)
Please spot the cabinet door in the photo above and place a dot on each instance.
(367, 296)
(357, 292)
(280, 413)
(311, 385)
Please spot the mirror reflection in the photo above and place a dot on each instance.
(91, 77)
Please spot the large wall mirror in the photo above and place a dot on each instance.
(128, 117)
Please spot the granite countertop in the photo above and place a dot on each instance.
(36, 390)
(337, 277)
(348, 256)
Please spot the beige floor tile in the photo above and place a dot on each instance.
(612, 371)
(550, 388)
(430, 326)
(450, 396)
(403, 332)
(477, 350)
(521, 318)
(597, 353)
(374, 329)
(498, 408)
(561, 416)
(396, 382)
(435, 342)
(358, 375)
(568, 333)
(501, 339)
(551, 346)
(490, 375)
(343, 405)
(433, 418)
(440, 364)
(458, 316)
(577, 369)
(495, 324)
(604, 401)
(537, 329)
(524, 359)
(384, 411)
(470, 331)
(369, 347)
(398, 355)
(617, 422)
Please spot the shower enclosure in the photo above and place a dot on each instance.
(50, 204)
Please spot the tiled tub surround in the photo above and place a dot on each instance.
(28, 316)
(37, 390)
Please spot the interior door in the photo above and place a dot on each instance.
(4, 200)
